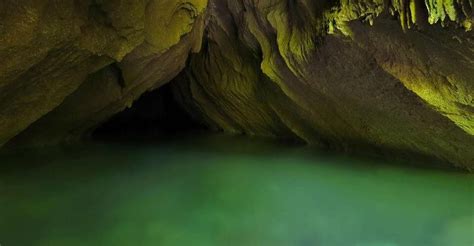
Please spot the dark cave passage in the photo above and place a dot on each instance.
(155, 113)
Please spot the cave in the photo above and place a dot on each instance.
(156, 114)
(236, 122)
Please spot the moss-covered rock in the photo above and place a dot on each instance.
(392, 75)
(343, 75)
(52, 51)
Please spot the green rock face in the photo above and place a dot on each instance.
(340, 76)
(392, 75)
(56, 55)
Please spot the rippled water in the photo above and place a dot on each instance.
(226, 191)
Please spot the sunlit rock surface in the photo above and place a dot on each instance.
(379, 75)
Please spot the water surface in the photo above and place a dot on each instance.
(226, 191)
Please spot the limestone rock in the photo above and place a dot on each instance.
(55, 55)
(381, 75)
(340, 76)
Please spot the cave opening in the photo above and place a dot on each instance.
(155, 114)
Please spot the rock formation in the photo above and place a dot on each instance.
(69, 65)
(386, 74)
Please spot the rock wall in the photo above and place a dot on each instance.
(69, 65)
(393, 75)
(389, 74)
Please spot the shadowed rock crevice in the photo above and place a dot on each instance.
(153, 115)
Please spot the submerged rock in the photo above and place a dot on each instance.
(392, 75)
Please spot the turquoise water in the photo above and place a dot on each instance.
(226, 191)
